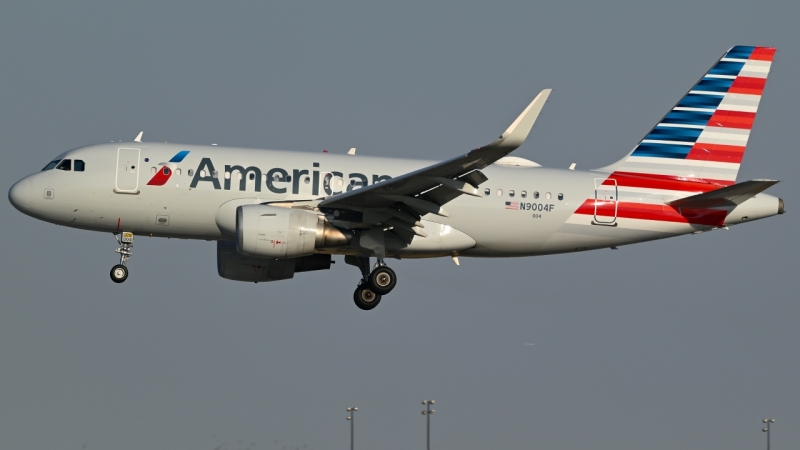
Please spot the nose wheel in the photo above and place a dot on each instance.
(119, 273)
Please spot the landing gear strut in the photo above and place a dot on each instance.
(119, 272)
(374, 284)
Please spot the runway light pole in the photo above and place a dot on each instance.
(766, 430)
(428, 411)
(352, 410)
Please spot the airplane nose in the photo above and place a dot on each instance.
(20, 195)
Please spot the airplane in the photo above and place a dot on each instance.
(277, 213)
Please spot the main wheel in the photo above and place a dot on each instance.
(119, 273)
(366, 298)
(382, 280)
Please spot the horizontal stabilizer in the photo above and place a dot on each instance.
(732, 195)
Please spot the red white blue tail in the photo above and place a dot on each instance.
(703, 138)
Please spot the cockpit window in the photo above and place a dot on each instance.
(65, 165)
(80, 166)
(51, 165)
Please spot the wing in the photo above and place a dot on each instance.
(401, 201)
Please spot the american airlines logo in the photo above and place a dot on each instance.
(165, 170)
(276, 179)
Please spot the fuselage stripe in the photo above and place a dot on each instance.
(665, 182)
(662, 213)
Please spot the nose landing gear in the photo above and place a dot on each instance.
(119, 272)
(374, 284)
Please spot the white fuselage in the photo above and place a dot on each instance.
(524, 211)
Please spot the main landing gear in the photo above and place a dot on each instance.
(374, 284)
(119, 273)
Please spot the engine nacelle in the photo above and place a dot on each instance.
(273, 232)
(235, 266)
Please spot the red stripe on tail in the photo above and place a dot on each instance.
(732, 119)
(748, 85)
(763, 53)
(717, 153)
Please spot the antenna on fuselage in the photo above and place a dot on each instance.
(139, 137)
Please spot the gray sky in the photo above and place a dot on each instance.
(685, 343)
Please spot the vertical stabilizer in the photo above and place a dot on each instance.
(703, 138)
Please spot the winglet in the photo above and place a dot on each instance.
(516, 134)
(352, 151)
(139, 137)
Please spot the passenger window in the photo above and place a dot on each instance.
(252, 176)
(536, 194)
(79, 165)
(203, 173)
(214, 174)
(547, 196)
(511, 193)
(561, 196)
(165, 170)
(523, 194)
(177, 171)
(51, 165)
(487, 192)
(65, 165)
(190, 172)
(499, 192)
(307, 180)
(153, 170)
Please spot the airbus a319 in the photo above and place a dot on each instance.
(277, 213)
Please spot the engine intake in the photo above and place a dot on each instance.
(273, 232)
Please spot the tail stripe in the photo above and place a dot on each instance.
(717, 153)
(732, 119)
(748, 85)
(740, 52)
(763, 54)
(729, 68)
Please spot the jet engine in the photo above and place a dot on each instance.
(234, 266)
(272, 232)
